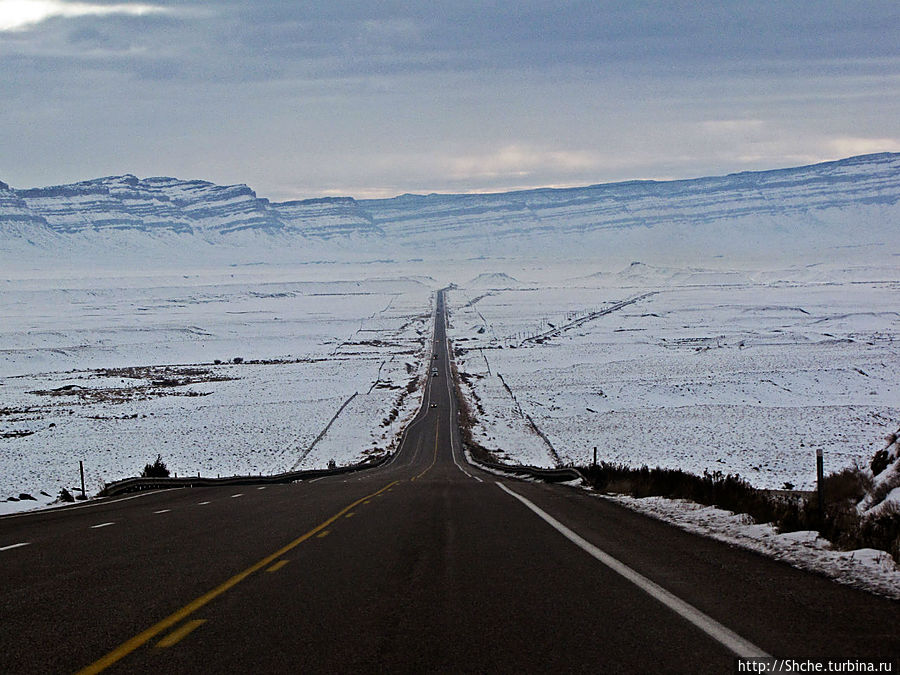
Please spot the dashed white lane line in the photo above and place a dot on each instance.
(203, 503)
(262, 487)
(239, 494)
(724, 636)
(97, 527)
(11, 546)
(99, 502)
(162, 511)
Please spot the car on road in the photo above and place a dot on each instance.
(433, 405)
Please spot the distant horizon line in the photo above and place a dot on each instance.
(514, 190)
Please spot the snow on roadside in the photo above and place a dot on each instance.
(867, 569)
(748, 379)
(114, 374)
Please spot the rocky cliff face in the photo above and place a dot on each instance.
(17, 220)
(833, 204)
(152, 204)
(784, 196)
(327, 217)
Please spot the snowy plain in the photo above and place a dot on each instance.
(113, 369)
(731, 371)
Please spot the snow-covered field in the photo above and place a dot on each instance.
(113, 370)
(746, 373)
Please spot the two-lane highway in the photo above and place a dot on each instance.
(427, 564)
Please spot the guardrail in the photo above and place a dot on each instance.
(138, 484)
(547, 475)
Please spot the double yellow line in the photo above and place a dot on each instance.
(146, 636)
(434, 459)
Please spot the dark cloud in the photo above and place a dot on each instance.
(321, 90)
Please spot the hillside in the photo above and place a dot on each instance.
(835, 209)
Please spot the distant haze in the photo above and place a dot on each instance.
(832, 212)
(378, 99)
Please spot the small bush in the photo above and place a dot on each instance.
(880, 462)
(840, 524)
(846, 486)
(156, 470)
(884, 488)
(65, 496)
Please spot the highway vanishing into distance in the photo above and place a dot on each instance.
(427, 564)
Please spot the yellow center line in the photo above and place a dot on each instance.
(180, 633)
(146, 636)
(323, 533)
(434, 459)
(277, 566)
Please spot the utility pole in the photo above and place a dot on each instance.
(81, 469)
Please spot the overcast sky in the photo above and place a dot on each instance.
(371, 99)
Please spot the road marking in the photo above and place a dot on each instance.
(726, 637)
(97, 527)
(368, 501)
(349, 515)
(262, 487)
(446, 343)
(100, 502)
(146, 636)
(179, 634)
(315, 479)
(162, 511)
(322, 534)
(437, 430)
(239, 494)
(12, 546)
(277, 566)
(203, 503)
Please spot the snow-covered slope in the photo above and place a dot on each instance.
(844, 203)
(127, 202)
(327, 217)
(17, 221)
(851, 206)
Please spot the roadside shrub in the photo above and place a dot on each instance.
(840, 523)
(846, 486)
(880, 462)
(65, 496)
(156, 470)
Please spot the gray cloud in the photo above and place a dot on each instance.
(313, 98)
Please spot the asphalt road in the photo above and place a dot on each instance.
(424, 565)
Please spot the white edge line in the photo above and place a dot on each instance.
(96, 527)
(418, 416)
(726, 637)
(11, 546)
(450, 395)
(75, 507)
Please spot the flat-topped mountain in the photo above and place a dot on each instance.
(849, 202)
